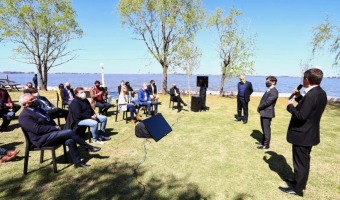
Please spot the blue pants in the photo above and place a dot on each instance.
(6, 116)
(94, 125)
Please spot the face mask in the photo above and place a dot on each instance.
(268, 84)
(82, 96)
(243, 81)
(36, 94)
(68, 87)
(33, 104)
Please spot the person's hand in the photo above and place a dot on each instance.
(100, 93)
(58, 127)
(94, 117)
(296, 92)
(9, 105)
(290, 101)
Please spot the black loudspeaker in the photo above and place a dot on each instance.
(196, 103)
(155, 126)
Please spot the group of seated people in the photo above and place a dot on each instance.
(38, 114)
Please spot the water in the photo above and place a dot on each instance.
(285, 84)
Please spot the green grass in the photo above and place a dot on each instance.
(208, 155)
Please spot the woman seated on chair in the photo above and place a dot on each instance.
(125, 104)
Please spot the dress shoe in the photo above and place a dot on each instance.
(263, 147)
(245, 121)
(82, 165)
(185, 104)
(93, 148)
(260, 143)
(138, 117)
(290, 190)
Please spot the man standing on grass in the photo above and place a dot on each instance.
(245, 89)
(304, 128)
(266, 110)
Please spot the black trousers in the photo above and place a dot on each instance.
(71, 139)
(103, 106)
(57, 113)
(242, 105)
(179, 100)
(266, 130)
(301, 163)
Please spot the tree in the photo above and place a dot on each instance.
(42, 29)
(162, 24)
(234, 48)
(327, 34)
(188, 57)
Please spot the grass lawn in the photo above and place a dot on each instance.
(208, 155)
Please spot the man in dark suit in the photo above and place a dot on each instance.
(152, 89)
(67, 94)
(43, 131)
(304, 128)
(176, 96)
(245, 89)
(266, 110)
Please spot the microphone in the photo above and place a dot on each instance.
(298, 88)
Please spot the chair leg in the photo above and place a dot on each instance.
(41, 156)
(58, 121)
(89, 134)
(27, 154)
(54, 160)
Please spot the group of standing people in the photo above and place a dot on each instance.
(304, 127)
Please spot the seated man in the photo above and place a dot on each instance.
(67, 94)
(97, 95)
(152, 89)
(6, 116)
(7, 101)
(28, 86)
(52, 111)
(145, 100)
(84, 115)
(43, 131)
(176, 96)
(7, 155)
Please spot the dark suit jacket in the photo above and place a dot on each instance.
(172, 92)
(37, 126)
(154, 91)
(268, 102)
(304, 126)
(64, 95)
(81, 109)
(247, 91)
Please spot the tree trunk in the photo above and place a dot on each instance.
(165, 79)
(222, 83)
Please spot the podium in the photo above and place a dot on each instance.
(196, 103)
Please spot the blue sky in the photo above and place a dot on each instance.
(283, 28)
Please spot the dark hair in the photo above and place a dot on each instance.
(31, 91)
(152, 81)
(61, 86)
(272, 78)
(314, 76)
(29, 83)
(77, 90)
(127, 83)
(97, 82)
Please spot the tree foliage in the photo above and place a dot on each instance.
(162, 25)
(235, 49)
(327, 34)
(42, 30)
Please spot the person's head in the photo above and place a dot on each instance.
(127, 83)
(243, 78)
(61, 86)
(312, 77)
(33, 91)
(35, 74)
(80, 92)
(152, 82)
(144, 86)
(174, 85)
(271, 80)
(27, 100)
(122, 82)
(97, 84)
(67, 85)
(29, 85)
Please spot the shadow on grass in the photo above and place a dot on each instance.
(113, 181)
(278, 164)
(243, 196)
(257, 135)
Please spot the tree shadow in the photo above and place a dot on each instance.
(243, 196)
(12, 145)
(11, 127)
(278, 164)
(257, 135)
(117, 180)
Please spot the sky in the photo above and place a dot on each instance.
(283, 31)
